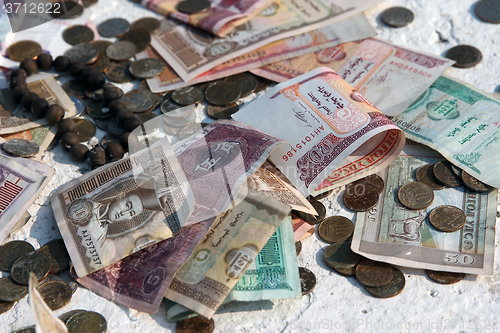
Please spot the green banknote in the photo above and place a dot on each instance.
(460, 122)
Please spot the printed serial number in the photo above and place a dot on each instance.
(32, 8)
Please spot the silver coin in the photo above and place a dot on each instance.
(121, 50)
(168, 106)
(180, 117)
(146, 68)
(139, 100)
(84, 52)
(113, 27)
(80, 106)
(20, 148)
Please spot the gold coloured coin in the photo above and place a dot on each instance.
(415, 195)
(55, 293)
(78, 34)
(87, 321)
(23, 49)
(373, 273)
(10, 252)
(335, 229)
(35, 262)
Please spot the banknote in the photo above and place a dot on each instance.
(459, 121)
(301, 229)
(233, 242)
(191, 51)
(335, 135)
(389, 76)
(116, 210)
(392, 233)
(351, 29)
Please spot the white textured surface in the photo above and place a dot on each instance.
(337, 304)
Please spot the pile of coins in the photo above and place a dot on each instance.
(78, 321)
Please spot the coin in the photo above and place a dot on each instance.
(360, 197)
(192, 6)
(85, 52)
(20, 148)
(180, 117)
(442, 171)
(35, 262)
(335, 229)
(119, 72)
(262, 84)
(488, 11)
(314, 219)
(447, 218)
(168, 106)
(102, 124)
(347, 272)
(79, 105)
(147, 68)
(222, 112)
(415, 195)
(444, 277)
(121, 50)
(195, 325)
(102, 45)
(65, 277)
(113, 27)
(373, 273)
(465, 56)
(339, 256)
(246, 81)
(66, 316)
(307, 280)
(87, 321)
(56, 294)
(374, 180)
(149, 24)
(393, 288)
(298, 247)
(75, 88)
(189, 130)
(11, 251)
(58, 255)
(139, 37)
(187, 96)
(85, 129)
(94, 109)
(474, 183)
(397, 17)
(139, 100)
(101, 63)
(23, 49)
(425, 174)
(6, 306)
(10, 291)
(222, 93)
(68, 10)
(77, 34)
(113, 128)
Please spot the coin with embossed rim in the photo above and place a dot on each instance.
(335, 229)
(447, 218)
(24, 49)
(425, 174)
(11, 251)
(415, 195)
(10, 291)
(393, 288)
(113, 27)
(35, 262)
(373, 273)
(445, 277)
(77, 34)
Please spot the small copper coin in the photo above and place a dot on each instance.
(6, 306)
(10, 252)
(78, 34)
(75, 88)
(195, 325)
(488, 11)
(192, 6)
(374, 180)
(64, 277)
(139, 37)
(397, 17)
(425, 174)
(447, 218)
(222, 93)
(66, 10)
(298, 247)
(85, 129)
(373, 273)
(87, 321)
(58, 255)
(139, 100)
(35, 262)
(119, 72)
(23, 49)
(149, 24)
(307, 280)
(393, 288)
(113, 27)
(415, 195)
(10, 291)
(85, 52)
(55, 293)
(20, 148)
(222, 112)
(360, 197)
(339, 256)
(187, 96)
(246, 81)
(443, 172)
(314, 219)
(335, 229)
(147, 68)
(445, 277)
(465, 56)
(474, 183)
(121, 50)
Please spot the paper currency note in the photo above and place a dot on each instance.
(218, 262)
(389, 76)
(114, 211)
(351, 29)
(192, 52)
(335, 135)
(459, 121)
(301, 229)
(391, 233)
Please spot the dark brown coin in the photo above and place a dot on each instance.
(85, 52)
(20, 148)
(195, 325)
(262, 84)
(222, 93)
(425, 174)
(87, 321)
(68, 10)
(35, 262)
(10, 291)
(347, 272)
(66, 316)
(78, 34)
(119, 72)
(335, 229)
(85, 129)
(443, 172)
(121, 50)
(149, 24)
(474, 183)
(139, 37)
(24, 49)
(139, 100)
(75, 88)
(11, 251)
(94, 109)
(339, 256)
(397, 17)
(58, 255)
(373, 273)
(447, 218)
(187, 96)
(113, 128)
(314, 219)
(445, 277)
(102, 62)
(147, 68)
(64, 277)
(320, 196)
(56, 294)
(488, 11)
(393, 288)
(246, 81)
(360, 197)
(113, 27)
(298, 247)
(192, 6)
(222, 112)
(374, 180)
(307, 280)
(102, 45)
(465, 56)
(189, 130)
(6, 306)
(415, 195)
